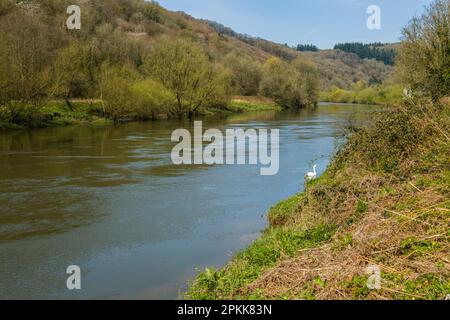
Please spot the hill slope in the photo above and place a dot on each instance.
(336, 67)
(124, 32)
(120, 58)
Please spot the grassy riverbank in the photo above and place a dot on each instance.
(240, 104)
(383, 201)
(53, 114)
(58, 113)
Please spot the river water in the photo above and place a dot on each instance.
(109, 200)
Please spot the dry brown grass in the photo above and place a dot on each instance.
(376, 239)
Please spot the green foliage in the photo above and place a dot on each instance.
(249, 264)
(182, 67)
(341, 69)
(346, 240)
(63, 64)
(376, 51)
(413, 247)
(396, 134)
(22, 114)
(50, 114)
(292, 85)
(358, 285)
(6, 6)
(424, 59)
(25, 51)
(279, 214)
(74, 72)
(361, 207)
(238, 105)
(127, 95)
(151, 98)
(339, 96)
(116, 91)
(431, 286)
(307, 47)
(246, 75)
(375, 95)
(152, 12)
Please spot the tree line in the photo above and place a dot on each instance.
(375, 51)
(140, 60)
(422, 65)
(307, 47)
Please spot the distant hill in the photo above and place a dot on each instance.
(337, 67)
(343, 69)
(378, 51)
(124, 32)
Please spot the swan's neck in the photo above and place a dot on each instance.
(315, 173)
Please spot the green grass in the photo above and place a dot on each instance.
(412, 247)
(358, 287)
(240, 106)
(264, 253)
(279, 214)
(6, 126)
(55, 114)
(426, 287)
(83, 111)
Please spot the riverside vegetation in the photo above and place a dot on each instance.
(134, 60)
(383, 201)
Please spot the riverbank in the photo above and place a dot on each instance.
(109, 186)
(383, 203)
(374, 95)
(59, 113)
(54, 114)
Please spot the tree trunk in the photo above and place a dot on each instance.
(66, 98)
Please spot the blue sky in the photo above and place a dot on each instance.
(320, 22)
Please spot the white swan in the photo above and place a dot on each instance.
(312, 175)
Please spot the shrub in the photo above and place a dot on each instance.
(367, 96)
(116, 91)
(291, 85)
(424, 58)
(152, 12)
(397, 134)
(183, 68)
(246, 75)
(152, 98)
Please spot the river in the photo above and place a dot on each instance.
(109, 200)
